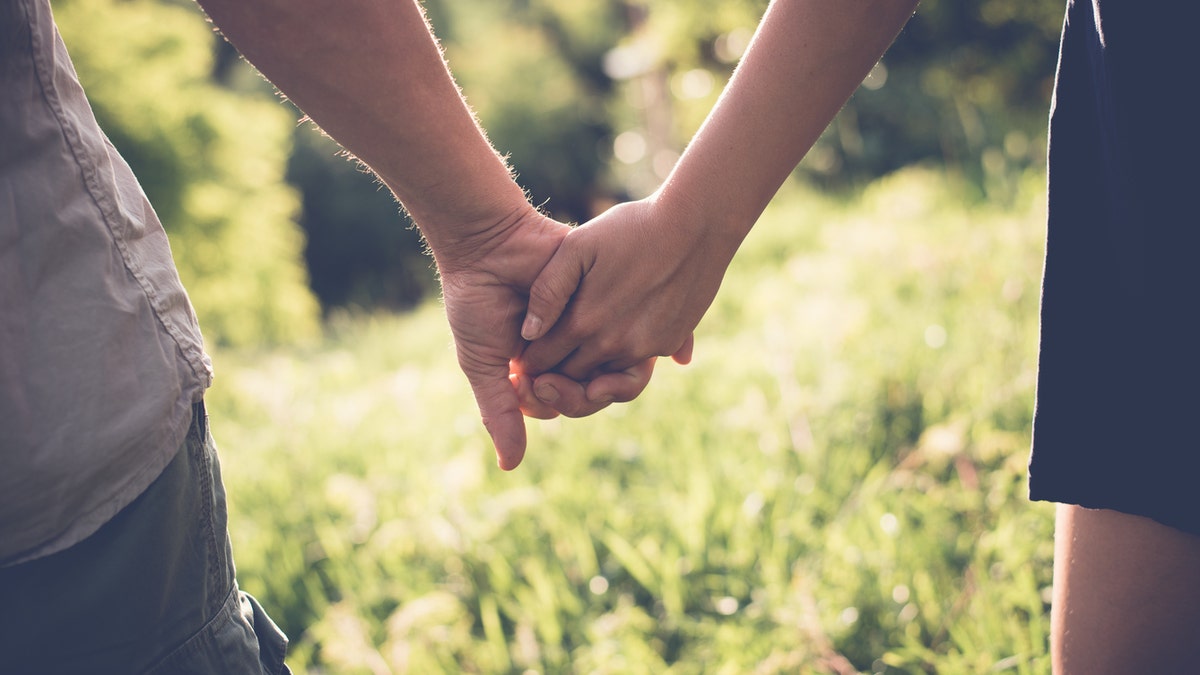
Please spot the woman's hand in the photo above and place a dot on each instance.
(630, 285)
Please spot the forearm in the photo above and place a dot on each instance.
(805, 61)
(371, 75)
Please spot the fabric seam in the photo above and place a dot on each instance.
(44, 72)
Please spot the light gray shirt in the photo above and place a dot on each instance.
(101, 357)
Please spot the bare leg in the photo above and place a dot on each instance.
(1126, 595)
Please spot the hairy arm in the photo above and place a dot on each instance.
(371, 75)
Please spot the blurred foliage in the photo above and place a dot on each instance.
(836, 484)
(531, 70)
(966, 83)
(359, 252)
(210, 160)
(592, 100)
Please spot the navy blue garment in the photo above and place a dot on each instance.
(1118, 401)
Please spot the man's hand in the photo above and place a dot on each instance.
(485, 285)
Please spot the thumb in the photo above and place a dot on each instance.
(551, 291)
(500, 410)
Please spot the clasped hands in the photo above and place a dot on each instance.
(551, 320)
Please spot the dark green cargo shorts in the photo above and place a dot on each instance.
(152, 591)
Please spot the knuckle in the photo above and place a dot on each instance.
(542, 295)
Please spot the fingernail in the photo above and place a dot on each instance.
(606, 398)
(529, 330)
(546, 393)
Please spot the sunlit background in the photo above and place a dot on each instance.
(835, 485)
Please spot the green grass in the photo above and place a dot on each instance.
(836, 484)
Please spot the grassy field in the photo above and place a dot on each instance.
(835, 485)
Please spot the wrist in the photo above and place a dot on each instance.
(459, 240)
(716, 232)
(500, 241)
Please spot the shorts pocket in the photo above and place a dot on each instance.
(239, 640)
